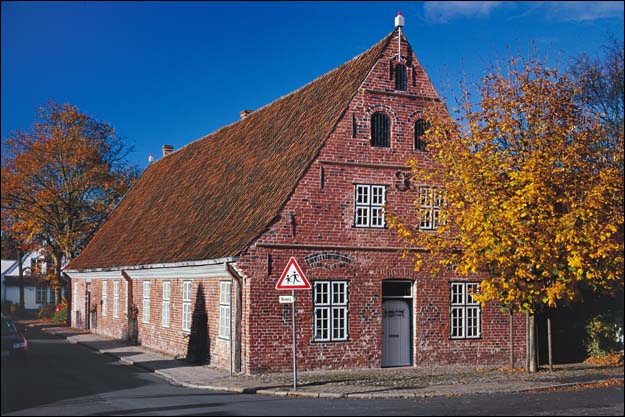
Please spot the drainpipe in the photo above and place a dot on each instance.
(235, 331)
(128, 301)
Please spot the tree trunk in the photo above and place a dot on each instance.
(549, 344)
(533, 366)
(59, 278)
(20, 271)
(511, 339)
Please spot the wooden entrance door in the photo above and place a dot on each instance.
(396, 333)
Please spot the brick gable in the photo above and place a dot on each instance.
(317, 223)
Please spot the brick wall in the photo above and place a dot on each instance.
(172, 339)
(319, 218)
(268, 330)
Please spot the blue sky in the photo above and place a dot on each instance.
(172, 72)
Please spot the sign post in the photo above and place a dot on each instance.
(294, 345)
(293, 278)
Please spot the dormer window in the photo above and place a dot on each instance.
(380, 130)
(400, 77)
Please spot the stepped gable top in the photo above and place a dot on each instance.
(212, 198)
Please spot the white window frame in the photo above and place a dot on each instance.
(330, 313)
(225, 295)
(116, 299)
(146, 302)
(166, 308)
(105, 296)
(42, 295)
(126, 297)
(75, 296)
(431, 200)
(465, 314)
(369, 202)
(187, 290)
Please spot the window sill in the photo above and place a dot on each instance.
(466, 338)
(316, 342)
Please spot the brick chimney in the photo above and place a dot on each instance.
(245, 113)
(167, 149)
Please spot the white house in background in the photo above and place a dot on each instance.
(8, 265)
(36, 291)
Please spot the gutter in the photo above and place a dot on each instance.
(129, 303)
(153, 266)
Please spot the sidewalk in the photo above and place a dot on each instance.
(351, 383)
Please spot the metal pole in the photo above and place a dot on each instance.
(294, 346)
(537, 344)
(549, 343)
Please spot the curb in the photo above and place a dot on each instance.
(390, 396)
(235, 390)
(278, 392)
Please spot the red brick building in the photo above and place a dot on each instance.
(200, 241)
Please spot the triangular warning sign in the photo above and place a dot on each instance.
(293, 278)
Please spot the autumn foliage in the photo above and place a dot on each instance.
(532, 193)
(60, 180)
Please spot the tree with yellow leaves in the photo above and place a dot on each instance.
(531, 198)
(60, 180)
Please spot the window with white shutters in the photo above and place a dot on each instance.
(225, 288)
(105, 297)
(166, 304)
(369, 206)
(146, 301)
(431, 201)
(330, 311)
(465, 312)
(186, 306)
(116, 299)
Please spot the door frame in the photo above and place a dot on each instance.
(409, 299)
(88, 305)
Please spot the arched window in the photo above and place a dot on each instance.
(420, 126)
(380, 130)
(400, 77)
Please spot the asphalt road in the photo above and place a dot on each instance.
(60, 378)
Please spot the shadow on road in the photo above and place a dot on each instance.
(54, 372)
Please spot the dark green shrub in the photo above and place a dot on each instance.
(603, 336)
(60, 316)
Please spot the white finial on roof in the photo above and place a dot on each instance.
(400, 22)
(150, 159)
